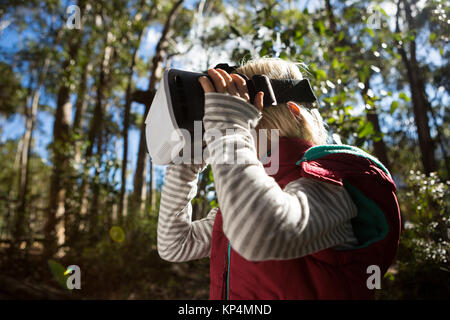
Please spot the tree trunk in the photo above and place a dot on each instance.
(379, 146)
(8, 227)
(420, 99)
(54, 230)
(331, 18)
(126, 126)
(150, 187)
(95, 135)
(101, 87)
(54, 227)
(72, 218)
(158, 58)
(25, 150)
(127, 111)
(80, 111)
(201, 206)
(31, 114)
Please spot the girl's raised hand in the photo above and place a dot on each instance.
(232, 84)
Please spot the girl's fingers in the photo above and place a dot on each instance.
(241, 86)
(206, 84)
(234, 83)
(218, 80)
(230, 86)
(259, 100)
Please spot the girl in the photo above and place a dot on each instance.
(309, 231)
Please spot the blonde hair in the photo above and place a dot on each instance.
(309, 126)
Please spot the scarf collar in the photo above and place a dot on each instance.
(289, 151)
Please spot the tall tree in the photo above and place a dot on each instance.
(54, 227)
(94, 135)
(420, 101)
(103, 85)
(30, 120)
(82, 102)
(140, 22)
(43, 59)
(341, 38)
(161, 53)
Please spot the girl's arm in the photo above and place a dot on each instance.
(261, 220)
(180, 239)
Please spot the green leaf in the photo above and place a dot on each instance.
(336, 99)
(403, 96)
(370, 31)
(58, 270)
(389, 276)
(398, 36)
(370, 102)
(350, 12)
(342, 49)
(335, 63)
(377, 7)
(319, 27)
(321, 74)
(394, 105)
(269, 23)
(366, 130)
(363, 74)
(432, 36)
(348, 110)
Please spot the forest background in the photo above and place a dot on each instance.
(77, 79)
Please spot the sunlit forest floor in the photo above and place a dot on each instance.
(147, 276)
(29, 277)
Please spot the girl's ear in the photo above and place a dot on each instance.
(294, 108)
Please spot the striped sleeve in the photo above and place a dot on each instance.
(261, 220)
(178, 237)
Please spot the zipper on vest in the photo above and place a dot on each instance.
(226, 275)
(224, 278)
(227, 271)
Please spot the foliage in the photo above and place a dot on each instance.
(11, 91)
(422, 266)
(356, 70)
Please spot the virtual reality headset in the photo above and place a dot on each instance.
(179, 104)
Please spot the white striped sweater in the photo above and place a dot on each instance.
(261, 220)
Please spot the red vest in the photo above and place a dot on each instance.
(330, 273)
